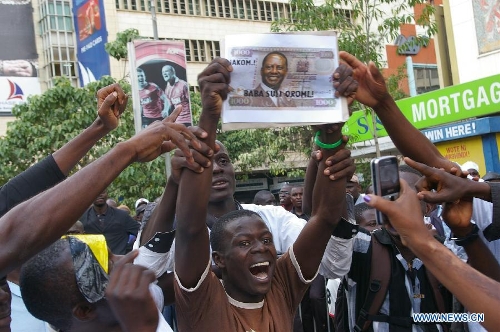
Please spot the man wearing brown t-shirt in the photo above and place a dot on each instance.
(258, 292)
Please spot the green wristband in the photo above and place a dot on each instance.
(324, 145)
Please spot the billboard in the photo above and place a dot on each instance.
(18, 55)
(15, 90)
(159, 81)
(91, 36)
(454, 103)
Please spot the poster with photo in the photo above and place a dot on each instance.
(159, 81)
(282, 80)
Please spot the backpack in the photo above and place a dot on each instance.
(380, 276)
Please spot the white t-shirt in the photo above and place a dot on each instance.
(285, 227)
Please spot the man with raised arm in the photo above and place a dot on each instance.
(111, 102)
(34, 224)
(477, 292)
(372, 92)
(258, 291)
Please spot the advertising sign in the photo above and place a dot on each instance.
(18, 55)
(91, 36)
(159, 81)
(282, 80)
(16, 90)
(459, 102)
(464, 150)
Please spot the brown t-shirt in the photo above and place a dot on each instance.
(208, 308)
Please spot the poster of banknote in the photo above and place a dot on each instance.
(282, 80)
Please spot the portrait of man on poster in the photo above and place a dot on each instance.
(270, 92)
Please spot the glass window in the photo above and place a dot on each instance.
(426, 78)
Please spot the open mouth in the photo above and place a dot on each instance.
(260, 270)
(219, 184)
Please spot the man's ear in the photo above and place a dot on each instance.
(218, 259)
(84, 311)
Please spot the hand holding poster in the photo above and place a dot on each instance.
(282, 80)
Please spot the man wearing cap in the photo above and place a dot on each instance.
(354, 188)
(472, 168)
(140, 206)
(116, 225)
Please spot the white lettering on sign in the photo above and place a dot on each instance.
(466, 100)
(460, 130)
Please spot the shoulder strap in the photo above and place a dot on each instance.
(438, 296)
(380, 275)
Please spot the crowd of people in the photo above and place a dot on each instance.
(228, 266)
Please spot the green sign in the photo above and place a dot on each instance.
(454, 103)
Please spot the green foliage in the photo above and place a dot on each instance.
(47, 121)
(394, 83)
(118, 48)
(271, 149)
(364, 28)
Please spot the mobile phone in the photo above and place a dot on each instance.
(385, 180)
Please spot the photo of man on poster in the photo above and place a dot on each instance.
(177, 92)
(154, 103)
(270, 93)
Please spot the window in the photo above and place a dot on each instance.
(256, 10)
(167, 6)
(426, 78)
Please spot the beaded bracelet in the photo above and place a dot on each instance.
(324, 145)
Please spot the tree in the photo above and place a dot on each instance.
(269, 149)
(118, 48)
(364, 26)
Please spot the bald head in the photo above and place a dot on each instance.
(264, 197)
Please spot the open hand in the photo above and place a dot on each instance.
(21, 68)
(448, 187)
(163, 136)
(371, 84)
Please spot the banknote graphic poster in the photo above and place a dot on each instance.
(282, 80)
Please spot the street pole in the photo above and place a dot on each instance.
(153, 18)
(168, 166)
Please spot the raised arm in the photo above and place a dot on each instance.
(56, 167)
(474, 290)
(34, 224)
(373, 93)
(328, 206)
(111, 103)
(192, 252)
(457, 194)
(162, 218)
